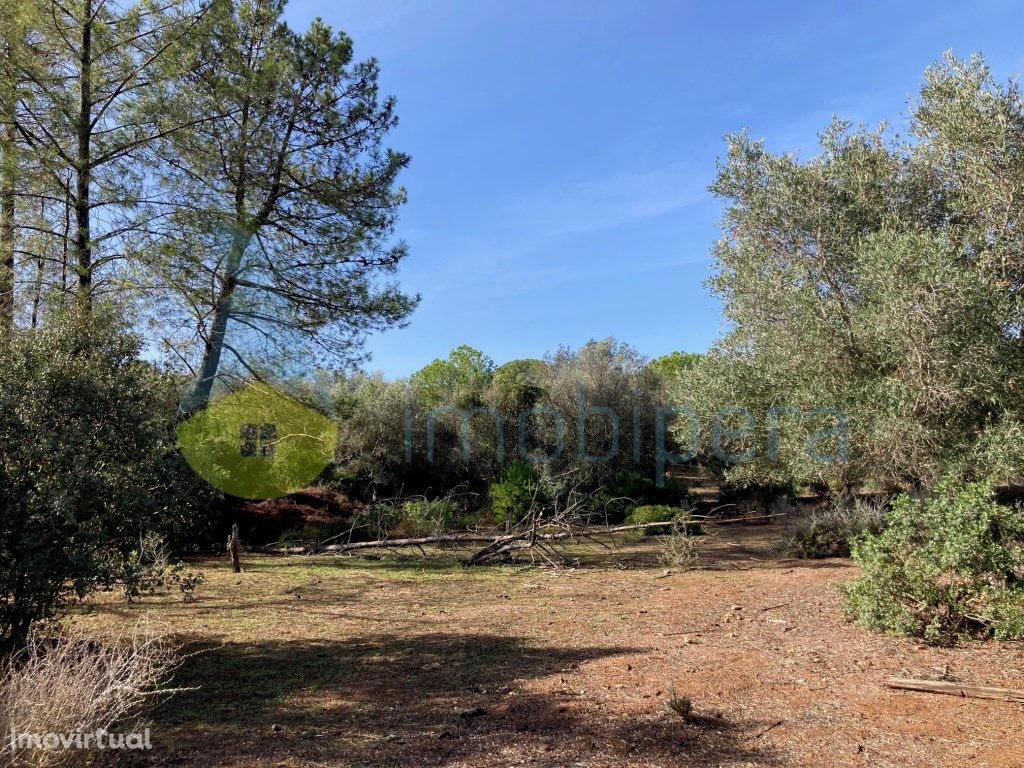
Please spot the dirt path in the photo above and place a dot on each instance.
(358, 662)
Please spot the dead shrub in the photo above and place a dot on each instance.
(73, 683)
(680, 548)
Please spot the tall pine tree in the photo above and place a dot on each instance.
(286, 198)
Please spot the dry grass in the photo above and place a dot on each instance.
(356, 662)
(74, 682)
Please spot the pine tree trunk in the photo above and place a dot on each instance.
(7, 229)
(214, 349)
(83, 170)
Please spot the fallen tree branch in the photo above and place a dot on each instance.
(496, 546)
(956, 689)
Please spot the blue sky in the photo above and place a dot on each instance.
(562, 150)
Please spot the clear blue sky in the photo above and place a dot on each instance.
(562, 150)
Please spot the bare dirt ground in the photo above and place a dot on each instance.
(406, 662)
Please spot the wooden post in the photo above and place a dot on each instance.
(508, 519)
(236, 563)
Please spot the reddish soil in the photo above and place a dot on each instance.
(352, 662)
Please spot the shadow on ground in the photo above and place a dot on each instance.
(434, 699)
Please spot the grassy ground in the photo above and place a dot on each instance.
(420, 662)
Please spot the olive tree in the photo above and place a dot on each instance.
(874, 298)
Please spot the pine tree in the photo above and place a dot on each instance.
(287, 198)
(94, 61)
(14, 55)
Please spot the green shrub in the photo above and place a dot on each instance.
(82, 430)
(352, 485)
(946, 566)
(316, 533)
(414, 518)
(376, 521)
(516, 492)
(616, 499)
(661, 513)
(830, 532)
(148, 569)
(428, 517)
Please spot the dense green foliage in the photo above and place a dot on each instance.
(946, 565)
(459, 380)
(83, 426)
(515, 494)
(880, 280)
(671, 366)
(586, 414)
(428, 517)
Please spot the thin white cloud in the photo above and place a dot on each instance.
(580, 207)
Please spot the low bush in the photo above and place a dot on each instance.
(680, 549)
(616, 499)
(376, 521)
(414, 518)
(148, 569)
(76, 684)
(830, 531)
(428, 517)
(318, 533)
(947, 565)
(339, 480)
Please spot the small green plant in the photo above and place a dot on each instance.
(516, 492)
(428, 517)
(148, 570)
(679, 705)
(661, 513)
(376, 521)
(947, 565)
(188, 581)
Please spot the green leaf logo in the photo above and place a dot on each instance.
(258, 443)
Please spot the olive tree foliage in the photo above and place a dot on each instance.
(83, 429)
(517, 385)
(428, 433)
(879, 284)
(607, 399)
(585, 414)
(284, 198)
